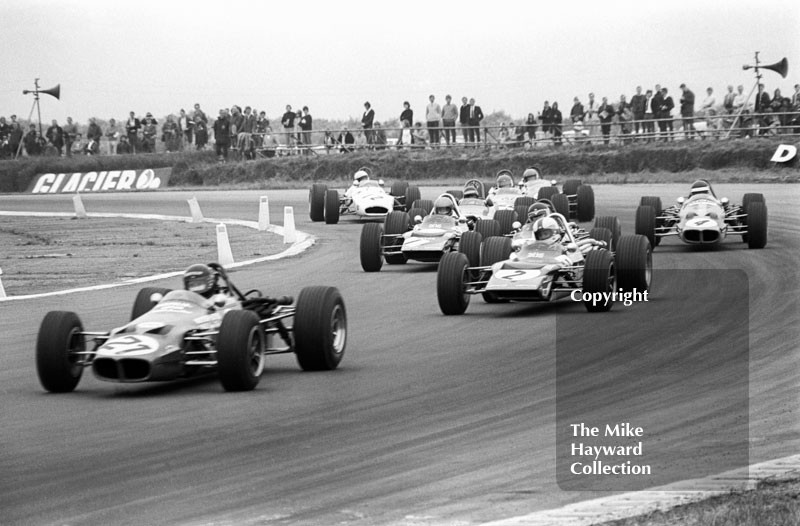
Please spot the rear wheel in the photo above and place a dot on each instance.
(598, 277)
(603, 234)
(414, 212)
(58, 348)
(240, 351)
(457, 194)
(316, 201)
(561, 204)
(570, 186)
(505, 219)
(585, 203)
(412, 194)
(399, 188)
(646, 223)
(487, 227)
(450, 287)
(756, 225)
(143, 302)
(470, 246)
(655, 202)
(320, 328)
(370, 248)
(425, 204)
(547, 192)
(525, 201)
(331, 207)
(522, 213)
(634, 260)
(613, 224)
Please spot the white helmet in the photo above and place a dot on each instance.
(360, 176)
(530, 173)
(548, 230)
(700, 187)
(443, 206)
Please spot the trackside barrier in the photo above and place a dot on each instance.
(2, 290)
(194, 209)
(263, 213)
(224, 254)
(289, 232)
(80, 211)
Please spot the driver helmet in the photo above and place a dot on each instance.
(201, 279)
(470, 191)
(443, 206)
(530, 173)
(537, 210)
(548, 230)
(700, 187)
(360, 176)
(504, 181)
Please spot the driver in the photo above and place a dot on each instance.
(529, 174)
(699, 187)
(504, 181)
(201, 279)
(361, 176)
(470, 192)
(536, 211)
(443, 206)
(547, 230)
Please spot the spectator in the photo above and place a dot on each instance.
(287, 121)
(305, 127)
(78, 146)
(15, 137)
(606, 114)
(171, 134)
(463, 119)
(406, 137)
(262, 123)
(55, 135)
(149, 133)
(591, 119)
(112, 134)
(380, 137)
(762, 100)
(200, 133)
(199, 115)
(546, 118)
(70, 134)
(638, 109)
(222, 135)
(366, 123)
(648, 126)
(658, 101)
(346, 140)
(269, 143)
(31, 142)
(406, 115)
(687, 111)
(236, 120)
(576, 114)
(420, 136)
(625, 118)
(530, 128)
(741, 108)
(433, 112)
(244, 138)
(186, 128)
(504, 136)
(709, 106)
(5, 129)
(124, 146)
(666, 114)
(94, 134)
(555, 123)
(132, 127)
(475, 118)
(449, 117)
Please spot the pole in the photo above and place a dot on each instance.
(757, 85)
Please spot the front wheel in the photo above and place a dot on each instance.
(59, 362)
(370, 247)
(450, 288)
(646, 223)
(240, 351)
(634, 260)
(756, 225)
(316, 201)
(320, 328)
(585, 203)
(331, 207)
(598, 281)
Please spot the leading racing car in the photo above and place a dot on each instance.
(207, 327)
(704, 219)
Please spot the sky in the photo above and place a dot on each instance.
(161, 56)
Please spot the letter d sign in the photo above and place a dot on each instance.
(785, 152)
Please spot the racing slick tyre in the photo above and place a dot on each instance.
(425, 204)
(522, 213)
(570, 186)
(396, 223)
(505, 218)
(751, 198)
(646, 224)
(58, 348)
(655, 202)
(488, 228)
(457, 194)
(525, 201)
(320, 328)
(547, 192)
(634, 259)
(331, 207)
(414, 212)
(316, 202)
(450, 289)
(470, 246)
(143, 304)
(561, 204)
(240, 350)
(398, 189)
(756, 225)
(603, 234)
(496, 248)
(598, 276)
(412, 194)
(370, 248)
(613, 224)
(585, 203)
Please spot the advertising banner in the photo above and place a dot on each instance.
(105, 181)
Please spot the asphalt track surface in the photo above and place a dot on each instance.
(429, 419)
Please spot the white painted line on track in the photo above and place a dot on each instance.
(303, 242)
(625, 505)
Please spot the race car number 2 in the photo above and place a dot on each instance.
(130, 345)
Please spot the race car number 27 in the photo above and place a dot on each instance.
(131, 344)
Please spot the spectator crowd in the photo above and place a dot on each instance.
(649, 115)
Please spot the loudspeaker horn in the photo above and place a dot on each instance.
(781, 67)
(56, 91)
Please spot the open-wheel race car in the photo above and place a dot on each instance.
(704, 219)
(574, 201)
(207, 327)
(545, 261)
(425, 237)
(365, 198)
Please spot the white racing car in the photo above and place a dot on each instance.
(365, 198)
(703, 219)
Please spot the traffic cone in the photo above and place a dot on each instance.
(263, 213)
(224, 254)
(80, 211)
(289, 233)
(194, 209)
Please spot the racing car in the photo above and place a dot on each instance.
(703, 219)
(545, 262)
(207, 327)
(365, 198)
(575, 201)
(424, 237)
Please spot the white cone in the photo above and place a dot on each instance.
(2, 290)
(194, 208)
(224, 254)
(263, 213)
(289, 233)
(80, 211)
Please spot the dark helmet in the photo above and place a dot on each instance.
(537, 210)
(443, 206)
(201, 279)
